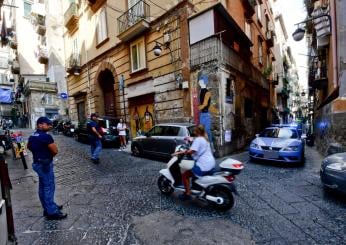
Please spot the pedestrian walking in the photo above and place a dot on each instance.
(122, 133)
(95, 136)
(43, 150)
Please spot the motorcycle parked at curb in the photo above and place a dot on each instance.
(68, 128)
(217, 189)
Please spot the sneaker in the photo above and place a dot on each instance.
(184, 197)
(57, 216)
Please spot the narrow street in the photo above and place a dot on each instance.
(118, 202)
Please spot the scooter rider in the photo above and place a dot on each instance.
(204, 159)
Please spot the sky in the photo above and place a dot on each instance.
(293, 11)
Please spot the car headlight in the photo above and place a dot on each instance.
(338, 166)
(291, 148)
(254, 145)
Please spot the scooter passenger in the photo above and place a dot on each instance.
(204, 160)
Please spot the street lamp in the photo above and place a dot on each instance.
(298, 34)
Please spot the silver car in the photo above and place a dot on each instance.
(333, 172)
(162, 139)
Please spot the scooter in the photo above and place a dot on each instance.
(216, 189)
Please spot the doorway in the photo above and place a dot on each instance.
(106, 81)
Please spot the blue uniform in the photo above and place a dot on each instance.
(95, 142)
(43, 166)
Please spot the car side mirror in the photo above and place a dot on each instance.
(257, 135)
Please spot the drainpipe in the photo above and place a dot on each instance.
(334, 43)
(88, 76)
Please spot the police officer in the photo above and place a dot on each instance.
(43, 150)
(94, 134)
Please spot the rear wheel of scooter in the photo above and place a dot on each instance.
(226, 195)
(165, 185)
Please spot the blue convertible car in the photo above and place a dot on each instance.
(278, 143)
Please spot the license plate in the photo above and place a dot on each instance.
(270, 154)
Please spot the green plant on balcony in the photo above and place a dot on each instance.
(267, 71)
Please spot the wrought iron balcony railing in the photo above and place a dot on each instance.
(139, 11)
(318, 74)
(43, 55)
(73, 64)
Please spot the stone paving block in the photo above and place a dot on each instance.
(278, 204)
(311, 227)
(283, 226)
(60, 237)
(27, 238)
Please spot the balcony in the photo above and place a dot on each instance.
(41, 30)
(73, 64)
(15, 67)
(134, 21)
(71, 17)
(318, 75)
(270, 39)
(96, 4)
(42, 55)
(249, 6)
(39, 86)
(211, 50)
(14, 44)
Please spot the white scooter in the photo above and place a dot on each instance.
(217, 189)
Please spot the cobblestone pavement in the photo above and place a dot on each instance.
(118, 202)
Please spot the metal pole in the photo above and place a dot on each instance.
(6, 195)
(317, 17)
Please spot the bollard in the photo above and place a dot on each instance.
(6, 195)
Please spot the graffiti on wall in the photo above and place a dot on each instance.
(142, 119)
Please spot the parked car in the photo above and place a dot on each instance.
(278, 143)
(162, 139)
(109, 129)
(333, 172)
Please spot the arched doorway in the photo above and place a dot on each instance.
(106, 82)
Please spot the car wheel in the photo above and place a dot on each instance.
(136, 150)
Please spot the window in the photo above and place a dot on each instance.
(248, 108)
(3, 78)
(101, 28)
(27, 9)
(156, 131)
(48, 99)
(3, 62)
(229, 90)
(260, 51)
(259, 11)
(137, 55)
(171, 131)
(248, 30)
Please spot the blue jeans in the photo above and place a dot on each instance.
(96, 147)
(205, 120)
(46, 187)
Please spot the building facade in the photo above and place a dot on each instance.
(231, 49)
(37, 60)
(112, 67)
(143, 61)
(327, 78)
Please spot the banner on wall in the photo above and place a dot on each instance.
(141, 120)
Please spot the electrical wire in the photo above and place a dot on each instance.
(158, 5)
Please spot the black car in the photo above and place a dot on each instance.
(109, 130)
(333, 172)
(162, 139)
